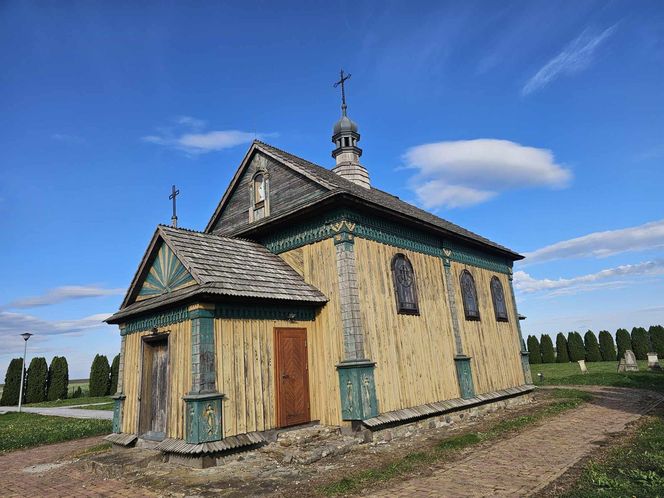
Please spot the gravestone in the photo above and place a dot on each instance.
(582, 366)
(653, 362)
(630, 362)
(621, 365)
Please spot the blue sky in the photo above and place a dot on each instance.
(537, 124)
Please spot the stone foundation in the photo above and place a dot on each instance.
(447, 419)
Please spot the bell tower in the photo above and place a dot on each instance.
(345, 136)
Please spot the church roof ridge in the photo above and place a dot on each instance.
(383, 199)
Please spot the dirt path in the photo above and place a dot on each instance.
(63, 411)
(527, 463)
(45, 472)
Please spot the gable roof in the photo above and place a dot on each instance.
(221, 266)
(337, 185)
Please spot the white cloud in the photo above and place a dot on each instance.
(65, 293)
(576, 56)
(188, 136)
(602, 244)
(467, 172)
(63, 137)
(16, 323)
(525, 283)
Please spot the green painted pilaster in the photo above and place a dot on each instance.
(203, 403)
(525, 363)
(119, 397)
(358, 390)
(461, 361)
(118, 405)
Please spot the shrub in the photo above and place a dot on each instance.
(58, 379)
(12, 383)
(115, 370)
(623, 342)
(546, 347)
(640, 343)
(100, 376)
(78, 393)
(35, 384)
(657, 339)
(535, 356)
(575, 347)
(561, 349)
(592, 347)
(606, 346)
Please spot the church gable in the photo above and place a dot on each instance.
(166, 274)
(265, 188)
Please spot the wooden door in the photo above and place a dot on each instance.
(154, 389)
(292, 376)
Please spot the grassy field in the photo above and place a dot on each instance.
(599, 374)
(73, 384)
(105, 406)
(23, 430)
(71, 402)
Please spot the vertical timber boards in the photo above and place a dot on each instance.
(493, 346)
(414, 355)
(179, 381)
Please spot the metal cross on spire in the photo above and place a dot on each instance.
(174, 218)
(341, 81)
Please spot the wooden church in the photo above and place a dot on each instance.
(311, 296)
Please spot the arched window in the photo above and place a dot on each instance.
(259, 196)
(469, 295)
(498, 297)
(405, 286)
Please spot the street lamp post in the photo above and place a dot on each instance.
(25, 336)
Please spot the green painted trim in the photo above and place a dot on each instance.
(203, 364)
(345, 224)
(118, 403)
(464, 376)
(265, 312)
(358, 390)
(157, 320)
(203, 422)
(166, 274)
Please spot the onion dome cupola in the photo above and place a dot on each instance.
(345, 136)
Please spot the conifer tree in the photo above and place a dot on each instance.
(115, 370)
(35, 384)
(575, 347)
(100, 376)
(606, 346)
(592, 347)
(657, 339)
(562, 356)
(546, 347)
(640, 343)
(623, 342)
(58, 379)
(12, 383)
(535, 356)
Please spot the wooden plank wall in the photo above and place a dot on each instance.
(245, 353)
(493, 346)
(179, 345)
(414, 355)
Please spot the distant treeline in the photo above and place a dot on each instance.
(588, 348)
(50, 383)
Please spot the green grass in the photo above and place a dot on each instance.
(599, 374)
(23, 430)
(565, 399)
(105, 406)
(70, 402)
(633, 469)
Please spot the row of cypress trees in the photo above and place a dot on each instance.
(50, 383)
(574, 347)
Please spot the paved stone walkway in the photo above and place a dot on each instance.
(519, 466)
(63, 411)
(41, 472)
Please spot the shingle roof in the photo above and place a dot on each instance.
(375, 196)
(228, 267)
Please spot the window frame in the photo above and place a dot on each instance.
(403, 308)
(254, 205)
(499, 317)
(471, 315)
